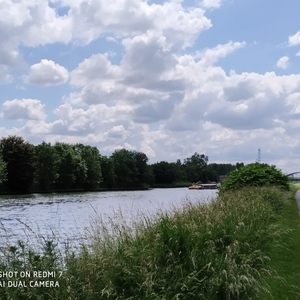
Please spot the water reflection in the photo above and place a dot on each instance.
(66, 216)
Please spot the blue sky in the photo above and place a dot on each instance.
(168, 78)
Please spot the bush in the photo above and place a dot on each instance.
(255, 174)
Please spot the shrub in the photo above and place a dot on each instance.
(255, 174)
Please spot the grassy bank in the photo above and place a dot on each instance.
(229, 249)
(285, 259)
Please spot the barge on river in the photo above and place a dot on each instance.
(204, 186)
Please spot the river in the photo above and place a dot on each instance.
(69, 216)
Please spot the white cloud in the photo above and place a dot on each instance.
(84, 121)
(47, 72)
(162, 93)
(93, 70)
(293, 103)
(5, 77)
(210, 56)
(178, 24)
(23, 109)
(211, 3)
(294, 39)
(282, 62)
(30, 23)
(34, 22)
(298, 53)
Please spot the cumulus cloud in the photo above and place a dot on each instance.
(150, 52)
(212, 55)
(94, 69)
(161, 93)
(294, 39)
(293, 103)
(145, 74)
(34, 23)
(282, 62)
(30, 23)
(211, 3)
(241, 91)
(23, 109)
(90, 120)
(47, 72)
(180, 25)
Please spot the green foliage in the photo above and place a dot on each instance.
(164, 172)
(284, 257)
(21, 259)
(193, 169)
(130, 168)
(196, 167)
(255, 175)
(124, 167)
(45, 172)
(3, 173)
(68, 166)
(217, 251)
(63, 166)
(19, 157)
(109, 176)
(224, 169)
(91, 164)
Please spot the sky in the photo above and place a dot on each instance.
(167, 78)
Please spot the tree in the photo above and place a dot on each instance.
(144, 174)
(164, 172)
(91, 159)
(70, 170)
(212, 175)
(108, 171)
(126, 172)
(255, 174)
(195, 167)
(19, 157)
(2, 170)
(45, 172)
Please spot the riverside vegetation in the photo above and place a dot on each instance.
(26, 168)
(228, 249)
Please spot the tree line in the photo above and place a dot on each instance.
(25, 167)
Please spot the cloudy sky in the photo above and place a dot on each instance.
(168, 78)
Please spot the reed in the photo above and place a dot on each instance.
(199, 251)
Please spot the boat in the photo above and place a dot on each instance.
(204, 186)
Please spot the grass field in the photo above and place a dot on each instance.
(286, 258)
(244, 245)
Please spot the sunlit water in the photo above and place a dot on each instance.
(67, 216)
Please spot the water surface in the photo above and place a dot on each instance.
(67, 216)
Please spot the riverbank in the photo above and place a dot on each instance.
(116, 189)
(69, 191)
(220, 250)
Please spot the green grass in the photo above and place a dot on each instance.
(234, 248)
(285, 284)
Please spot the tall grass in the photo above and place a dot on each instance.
(200, 251)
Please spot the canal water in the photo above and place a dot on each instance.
(32, 218)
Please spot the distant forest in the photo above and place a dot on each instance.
(64, 167)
